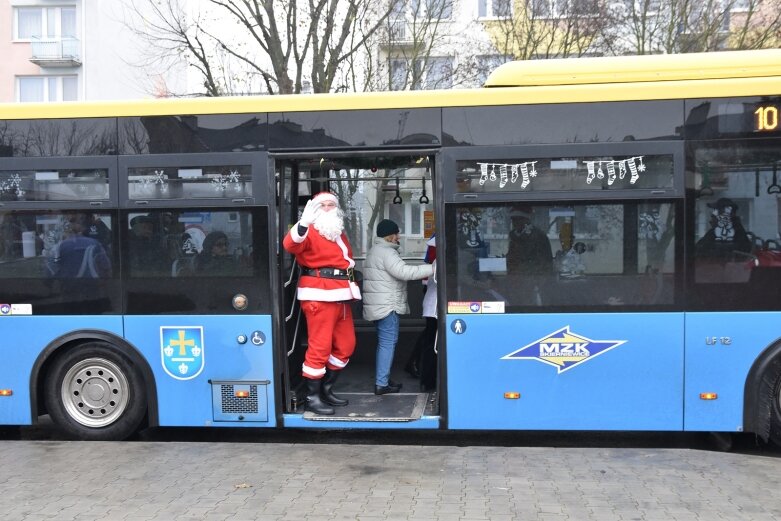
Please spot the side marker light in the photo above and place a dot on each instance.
(6, 392)
(512, 395)
(241, 394)
(708, 396)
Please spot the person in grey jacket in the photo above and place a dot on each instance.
(385, 276)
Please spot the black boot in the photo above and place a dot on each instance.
(412, 367)
(313, 401)
(326, 389)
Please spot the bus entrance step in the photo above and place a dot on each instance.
(398, 407)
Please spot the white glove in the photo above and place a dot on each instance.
(311, 211)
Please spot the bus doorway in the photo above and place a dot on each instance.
(368, 188)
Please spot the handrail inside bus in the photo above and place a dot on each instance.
(292, 274)
(295, 333)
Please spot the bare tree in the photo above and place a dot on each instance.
(682, 26)
(757, 26)
(421, 46)
(534, 29)
(237, 44)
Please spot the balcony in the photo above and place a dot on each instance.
(398, 33)
(56, 52)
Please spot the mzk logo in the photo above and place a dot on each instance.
(563, 349)
(182, 351)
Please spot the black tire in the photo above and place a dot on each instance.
(775, 409)
(93, 392)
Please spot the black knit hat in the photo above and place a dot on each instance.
(387, 227)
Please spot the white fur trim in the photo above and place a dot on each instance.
(335, 361)
(295, 236)
(324, 196)
(325, 295)
(311, 371)
(343, 247)
(356, 292)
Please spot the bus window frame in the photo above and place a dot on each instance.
(451, 155)
(108, 163)
(257, 161)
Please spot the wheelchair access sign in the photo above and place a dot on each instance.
(181, 349)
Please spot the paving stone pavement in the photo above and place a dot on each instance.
(56, 480)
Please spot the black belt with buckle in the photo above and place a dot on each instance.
(330, 273)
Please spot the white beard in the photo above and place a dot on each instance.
(330, 224)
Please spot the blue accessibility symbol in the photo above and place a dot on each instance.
(181, 349)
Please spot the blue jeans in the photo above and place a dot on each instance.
(387, 336)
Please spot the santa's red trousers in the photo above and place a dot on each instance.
(331, 337)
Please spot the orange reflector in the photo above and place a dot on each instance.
(512, 395)
(6, 392)
(241, 394)
(708, 396)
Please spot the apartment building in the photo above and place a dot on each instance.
(70, 50)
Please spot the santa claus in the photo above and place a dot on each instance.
(325, 289)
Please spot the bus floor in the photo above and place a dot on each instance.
(356, 382)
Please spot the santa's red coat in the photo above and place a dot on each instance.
(312, 250)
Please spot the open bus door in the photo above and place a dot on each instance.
(366, 184)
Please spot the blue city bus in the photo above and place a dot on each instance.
(607, 234)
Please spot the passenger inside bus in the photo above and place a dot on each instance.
(529, 257)
(726, 235)
(78, 256)
(215, 258)
(724, 253)
(146, 254)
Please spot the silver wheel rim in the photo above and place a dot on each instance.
(95, 392)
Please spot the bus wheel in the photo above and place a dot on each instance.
(95, 393)
(775, 412)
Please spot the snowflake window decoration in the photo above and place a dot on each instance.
(221, 182)
(12, 185)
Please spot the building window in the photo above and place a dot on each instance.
(494, 8)
(435, 72)
(398, 74)
(572, 8)
(47, 88)
(434, 9)
(438, 73)
(44, 22)
(487, 63)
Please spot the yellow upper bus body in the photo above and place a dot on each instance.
(582, 80)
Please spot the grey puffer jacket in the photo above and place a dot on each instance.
(385, 276)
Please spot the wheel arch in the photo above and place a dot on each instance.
(73, 339)
(759, 391)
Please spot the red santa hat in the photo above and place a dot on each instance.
(322, 197)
